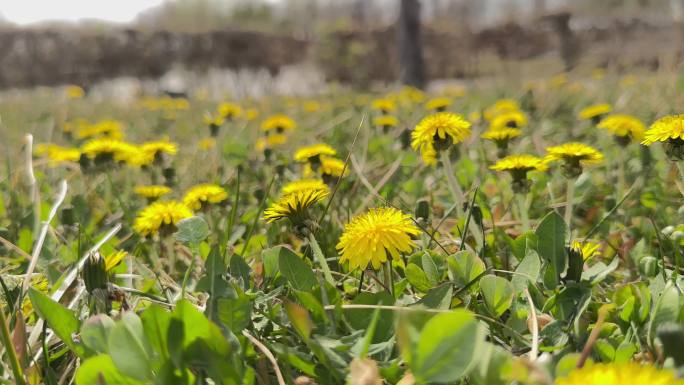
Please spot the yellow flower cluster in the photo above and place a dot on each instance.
(620, 374)
(307, 153)
(199, 196)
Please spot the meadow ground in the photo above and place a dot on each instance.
(488, 234)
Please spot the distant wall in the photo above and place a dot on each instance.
(30, 57)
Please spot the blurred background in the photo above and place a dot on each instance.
(252, 47)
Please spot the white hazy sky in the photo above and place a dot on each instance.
(32, 11)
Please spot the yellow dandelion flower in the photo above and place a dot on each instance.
(106, 149)
(158, 147)
(520, 162)
(595, 111)
(304, 184)
(113, 259)
(305, 154)
(153, 191)
(510, 119)
(206, 144)
(385, 121)
(620, 374)
(311, 106)
(332, 167)
(373, 237)
(503, 134)
(279, 123)
(213, 120)
(270, 142)
(586, 249)
(229, 111)
(623, 126)
(107, 128)
(574, 152)
(135, 156)
(160, 216)
(670, 130)
(574, 156)
(383, 105)
(438, 104)
(518, 166)
(201, 195)
(251, 114)
(499, 107)
(75, 92)
(412, 94)
(437, 132)
(665, 129)
(294, 206)
(57, 154)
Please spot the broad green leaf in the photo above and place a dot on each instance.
(192, 231)
(129, 348)
(270, 259)
(523, 243)
(300, 319)
(497, 293)
(438, 297)
(156, 322)
(240, 269)
(527, 272)
(494, 367)
(235, 313)
(417, 278)
(60, 319)
(101, 370)
(360, 319)
(465, 267)
(447, 347)
(666, 309)
(95, 331)
(298, 274)
(551, 234)
(430, 268)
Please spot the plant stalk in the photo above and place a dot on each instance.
(458, 196)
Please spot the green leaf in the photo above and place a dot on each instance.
(62, 320)
(446, 348)
(430, 269)
(240, 269)
(666, 309)
(298, 274)
(552, 233)
(438, 297)
(527, 272)
(95, 331)
(192, 231)
(494, 367)
(270, 259)
(523, 243)
(360, 319)
(101, 370)
(465, 267)
(129, 348)
(156, 322)
(300, 319)
(417, 278)
(235, 313)
(497, 293)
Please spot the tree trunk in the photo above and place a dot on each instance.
(410, 47)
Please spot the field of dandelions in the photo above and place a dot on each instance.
(486, 234)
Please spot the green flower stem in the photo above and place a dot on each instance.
(459, 196)
(9, 347)
(320, 258)
(523, 214)
(569, 200)
(680, 167)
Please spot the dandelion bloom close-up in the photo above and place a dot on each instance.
(152, 191)
(201, 195)
(160, 216)
(373, 237)
(295, 205)
(438, 132)
(623, 125)
(307, 153)
(595, 111)
(279, 123)
(304, 184)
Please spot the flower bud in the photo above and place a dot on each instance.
(95, 273)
